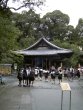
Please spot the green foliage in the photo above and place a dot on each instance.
(76, 52)
(26, 42)
(28, 23)
(8, 38)
(8, 33)
(67, 62)
(17, 59)
(55, 24)
(62, 44)
(19, 31)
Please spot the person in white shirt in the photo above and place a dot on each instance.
(60, 76)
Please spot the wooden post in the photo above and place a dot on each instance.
(65, 87)
(79, 65)
(61, 65)
(46, 63)
(42, 63)
(49, 64)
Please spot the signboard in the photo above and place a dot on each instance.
(65, 87)
(15, 66)
(5, 69)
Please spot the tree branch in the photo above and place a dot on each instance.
(25, 5)
(4, 4)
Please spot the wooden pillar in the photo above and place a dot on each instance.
(79, 65)
(61, 65)
(46, 63)
(35, 61)
(42, 62)
(49, 64)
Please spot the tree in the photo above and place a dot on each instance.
(5, 7)
(9, 33)
(8, 38)
(55, 24)
(28, 23)
(79, 32)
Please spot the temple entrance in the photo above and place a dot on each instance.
(42, 62)
(38, 62)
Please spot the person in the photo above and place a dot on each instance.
(78, 73)
(46, 74)
(1, 78)
(24, 77)
(72, 73)
(53, 75)
(27, 76)
(60, 76)
(20, 77)
(40, 73)
(36, 72)
(31, 77)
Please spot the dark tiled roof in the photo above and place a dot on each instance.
(43, 51)
(47, 42)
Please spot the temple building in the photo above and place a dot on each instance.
(44, 54)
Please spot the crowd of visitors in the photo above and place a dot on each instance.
(26, 76)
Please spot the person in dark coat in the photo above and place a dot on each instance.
(24, 77)
(20, 77)
(78, 73)
(31, 77)
(60, 76)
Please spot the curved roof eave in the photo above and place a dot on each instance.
(42, 52)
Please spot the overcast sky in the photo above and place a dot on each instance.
(74, 8)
